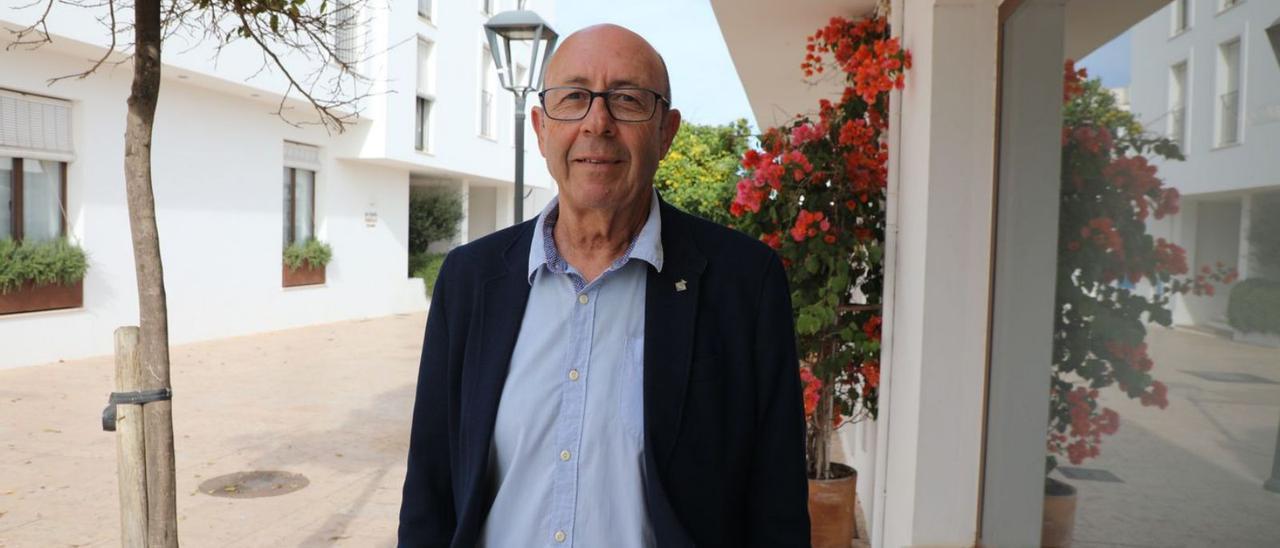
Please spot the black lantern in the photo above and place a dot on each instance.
(524, 30)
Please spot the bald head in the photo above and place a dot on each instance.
(596, 45)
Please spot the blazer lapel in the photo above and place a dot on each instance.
(671, 303)
(501, 304)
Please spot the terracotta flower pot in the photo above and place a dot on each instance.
(1059, 514)
(306, 275)
(29, 297)
(831, 508)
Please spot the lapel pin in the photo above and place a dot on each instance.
(682, 285)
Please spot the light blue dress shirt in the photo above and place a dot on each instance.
(567, 461)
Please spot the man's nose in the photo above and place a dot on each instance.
(598, 121)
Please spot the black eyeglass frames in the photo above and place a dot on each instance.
(630, 104)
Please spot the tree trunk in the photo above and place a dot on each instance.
(824, 424)
(153, 316)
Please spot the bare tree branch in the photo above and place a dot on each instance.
(111, 8)
(39, 28)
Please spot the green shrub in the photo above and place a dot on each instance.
(1264, 231)
(45, 263)
(1254, 306)
(434, 215)
(701, 171)
(313, 252)
(427, 267)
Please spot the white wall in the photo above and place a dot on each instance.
(1208, 169)
(457, 148)
(217, 165)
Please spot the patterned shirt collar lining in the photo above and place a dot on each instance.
(646, 246)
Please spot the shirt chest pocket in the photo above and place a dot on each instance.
(630, 387)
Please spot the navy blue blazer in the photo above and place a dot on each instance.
(724, 424)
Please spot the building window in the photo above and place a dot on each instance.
(1228, 110)
(1178, 105)
(299, 205)
(425, 97)
(34, 195)
(487, 106)
(424, 9)
(346, 32)
(1181, 15)
(422, 125)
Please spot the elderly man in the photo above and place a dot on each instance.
(615, 373)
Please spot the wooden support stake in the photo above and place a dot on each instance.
(131, 460)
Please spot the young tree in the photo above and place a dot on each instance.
(302, 32)
(700, 173)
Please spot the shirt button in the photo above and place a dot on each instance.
(573, 374)
(560, 536)
(582, 298)
(564, 455)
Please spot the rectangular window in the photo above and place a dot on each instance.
(1181, 15)
(422, 124)
(487, 105)
(424, 9)
(1229, 93)
(299, 205)
(346, 31)
(1178, 105)
(34, 196)
(425, 97)
(6, 198)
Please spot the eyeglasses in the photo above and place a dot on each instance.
(569, 104)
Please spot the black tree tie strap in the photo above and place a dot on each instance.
(135, 397)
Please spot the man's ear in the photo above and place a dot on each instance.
(670, 125)
(538, 127)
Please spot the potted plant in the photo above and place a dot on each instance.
(45, 275)
(1113, 278)
(304, 262)
(815, 192)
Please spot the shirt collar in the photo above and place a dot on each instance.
(646, 246)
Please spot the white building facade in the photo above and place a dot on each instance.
(433, 115)
(1205, 73)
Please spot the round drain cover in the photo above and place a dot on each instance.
(254, 484)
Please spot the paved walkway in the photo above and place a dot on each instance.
(330, 402)
(1191, 474)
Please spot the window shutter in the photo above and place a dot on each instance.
(300, 155)
(35, 125)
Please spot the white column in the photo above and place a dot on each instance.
(464, 235)
(940, 231)
(1025, 274)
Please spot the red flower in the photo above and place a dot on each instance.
(872, 328)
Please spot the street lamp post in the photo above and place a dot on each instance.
(520, 27)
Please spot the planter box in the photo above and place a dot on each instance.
(307, 275)
(31, 298)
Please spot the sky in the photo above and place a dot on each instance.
(704, 84)
(1111, 61)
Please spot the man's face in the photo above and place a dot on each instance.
(598, 162)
